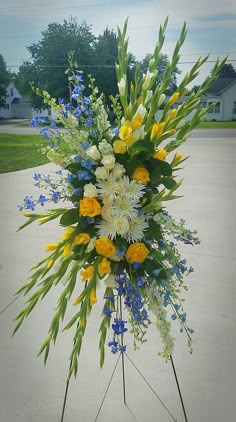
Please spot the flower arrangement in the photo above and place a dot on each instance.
(116, 232)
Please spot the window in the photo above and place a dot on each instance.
(234, 107)
(6, 106)
(12, 92)
(216, 108)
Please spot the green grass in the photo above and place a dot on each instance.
(215, 125)
(18, 152)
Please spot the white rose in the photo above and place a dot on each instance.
(101, 173)
(93, 152)
(108, 161)
(90, 190)
(121, 225)
(104, 147)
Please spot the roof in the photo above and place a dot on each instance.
(220, 85)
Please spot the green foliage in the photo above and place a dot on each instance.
(4, 80)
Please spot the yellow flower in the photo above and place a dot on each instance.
(78, 300)
(119, 147)
(160, 154)
(67, 250)
(81, 239)
(157, 130)
(125, 133)
(179, 156)
(137, 252)
(141, 174)
(104, 246)
(171, 114)
(104, 267)
(138, 120)
(27, 214)
(50, 264)
(173, 98)
(88, 273)
(89, 207)
(92, 297)
(67, 233)
(43, 220)
(51, 247)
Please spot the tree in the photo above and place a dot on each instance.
(4, 81)
(50, 59)
(164, 61)
(228, 71)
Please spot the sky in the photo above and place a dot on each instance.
(211, 26)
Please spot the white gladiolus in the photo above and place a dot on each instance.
(148, 76)
(140, 110)
(122, 85)
(149, 96)
(101, 173)
(93, 152)
(139, 133)
(108, 161)
(90, 190)
(161, 100)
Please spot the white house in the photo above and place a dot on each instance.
(18, 106)
(223, 93)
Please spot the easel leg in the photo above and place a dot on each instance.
(177, 383)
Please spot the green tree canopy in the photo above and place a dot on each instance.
(4, 80)
(228, 71)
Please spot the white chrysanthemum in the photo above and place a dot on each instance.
(125, 207)
(107, 212)
(132, 189)
(101, 173)
(121, 225)
(118, 170)
(110, 188)
(137, 227)
(105, 148)
(90, 190)
(105, 228)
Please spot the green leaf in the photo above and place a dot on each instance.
(166, 169)
(153, 231)
(168, 182)
(143, 145)
(70, 217)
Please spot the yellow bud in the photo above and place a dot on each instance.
(51, 247)
(83, 322)
(50, 264)
(157, 130)
(92, 297)
(139, 100)
(171, 114)
(43, 220)
(127, 110)
(67, 233)
(27, 214)
(179, 156)
(138, 120)
(67, 250)
(173, 98)
(35, 265)
(78, 300)
(160, 154)
(185, 92)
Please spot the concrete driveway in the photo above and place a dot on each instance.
(30, 393)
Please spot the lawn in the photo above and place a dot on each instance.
(18, 152)
(215, 125)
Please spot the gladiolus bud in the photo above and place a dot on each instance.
(173, 98)
(93, 297)
(161, 100)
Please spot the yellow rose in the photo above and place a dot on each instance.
(104, 267)
(160, 154)
(173, 98)
(88, 273)
(140, 174)
(51, 247)
(157, 130)
(81, 239)
(137, 252)
(92, 297)
(104, 246)
(89, 207)
(137, 122)
(119, 147)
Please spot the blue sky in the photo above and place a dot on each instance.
(211, 25)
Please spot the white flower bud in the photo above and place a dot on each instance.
(161, 100)
(148, 76)
(101, 173)
(122, 85)
(90, 190)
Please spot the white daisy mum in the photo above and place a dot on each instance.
(125, 207)
(137, 227)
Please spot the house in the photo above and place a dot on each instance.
(18, 106)
(223, 93)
